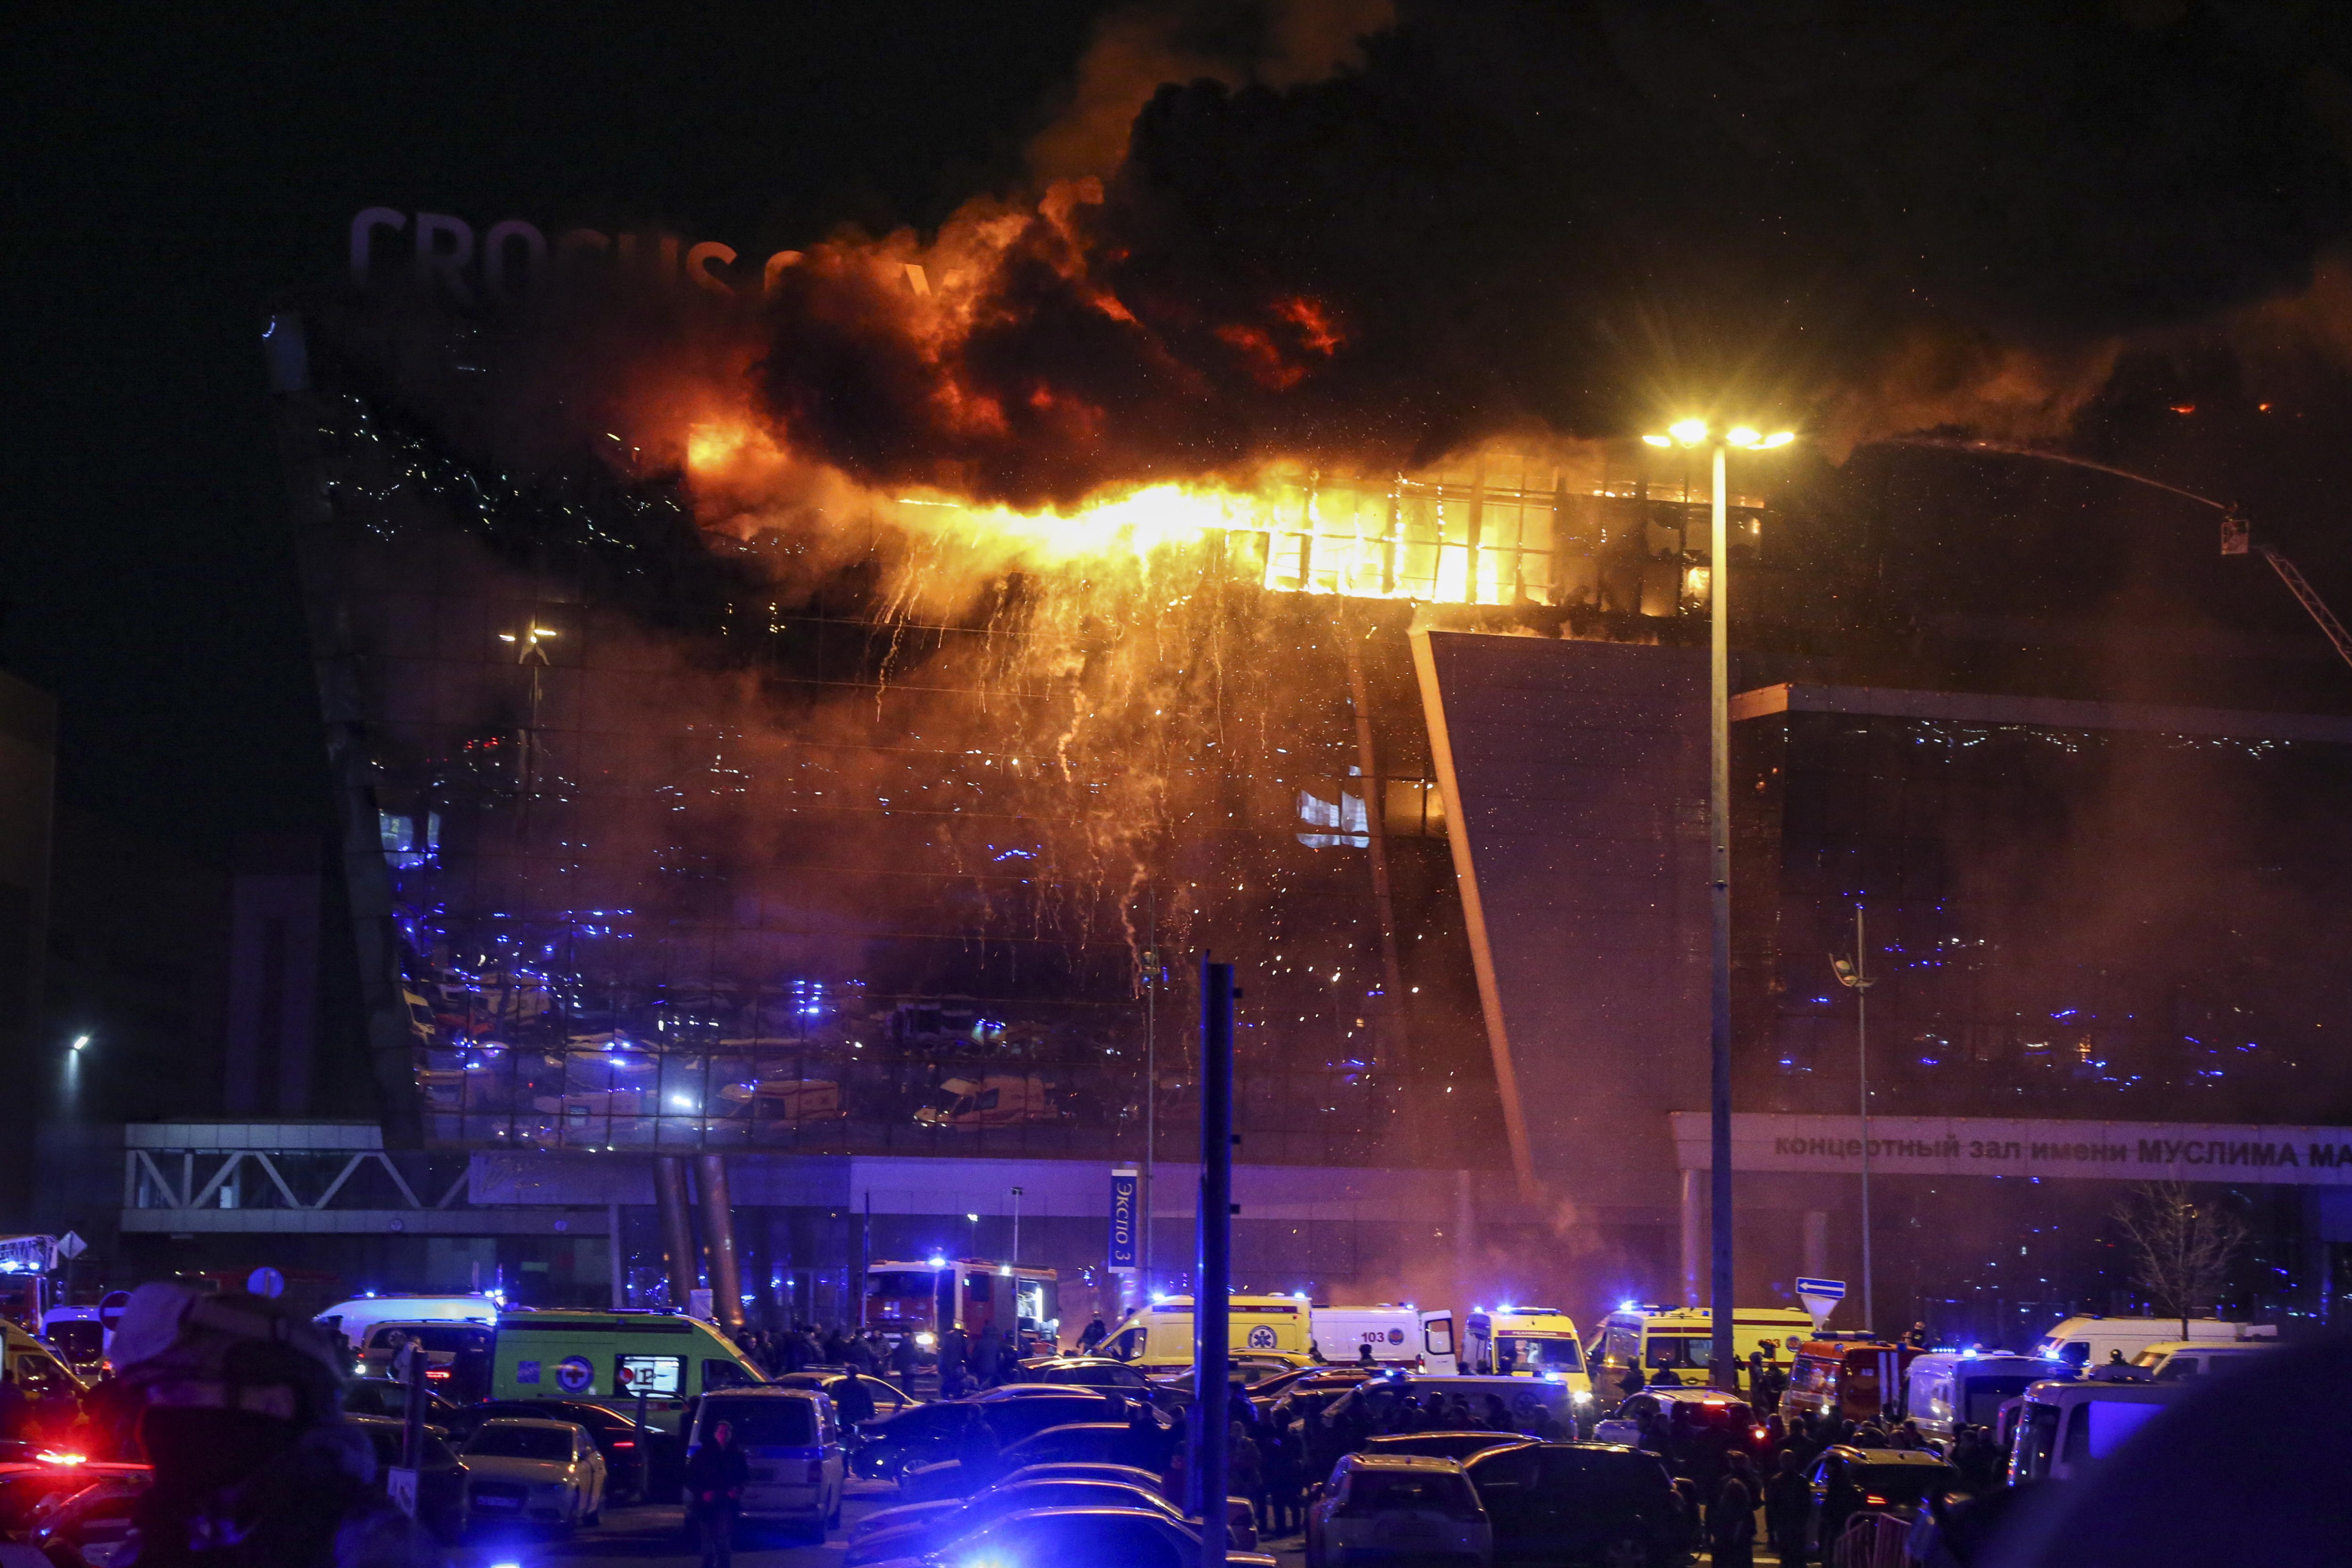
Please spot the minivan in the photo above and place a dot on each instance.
(1948, 1390)
(2066, 1427)
(790, 1441)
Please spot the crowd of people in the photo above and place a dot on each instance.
(966, 1363)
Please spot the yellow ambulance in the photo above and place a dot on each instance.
(1272, 1328)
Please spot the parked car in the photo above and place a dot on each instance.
(952, 1523)
(925, 1433)
(382, 1397)
(441, 1494)
(1310, 1380)
(1580, 1502)
(887, 1396)
(1085, 1372)
(1246, 1372)
(1126, 1538)
(1847, 1481)
(1690, 1410)
(536, 1472)
(1454, 1446)
(24, 1488)
(1399, 1506)
(1143, 1447)
(1524, 1400)
(615, 1434)
(92, 1528)
(913, 1512)
(792, 1442)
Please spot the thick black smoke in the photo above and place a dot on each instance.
(1584, 215)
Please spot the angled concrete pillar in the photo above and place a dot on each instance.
(677, 1234)
(719, 1240)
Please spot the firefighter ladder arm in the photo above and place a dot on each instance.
(2308, 598)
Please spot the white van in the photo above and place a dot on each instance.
(2174, 1361)
(2066, 1427)
(1946, 1390)
(1341, 1334)
(354, 1317)
(2092, 1341)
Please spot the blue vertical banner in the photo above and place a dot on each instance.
(1126, 1183)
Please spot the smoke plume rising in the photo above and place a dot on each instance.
(1580, 217)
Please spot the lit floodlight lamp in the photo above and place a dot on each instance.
(1659, 441)
(1742, 435)
(1778, 438)
(1689, 432)
(937, 1262)
(80, 1042)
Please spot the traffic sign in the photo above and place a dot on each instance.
(109, 1311)
(70, 1246)
(1819, 1296)
(265, 1282)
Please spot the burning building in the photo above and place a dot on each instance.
(811, 711)
(868, 842)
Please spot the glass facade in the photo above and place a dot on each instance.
(686, 850)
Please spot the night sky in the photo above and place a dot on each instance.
(173, 177)
(1522, 211)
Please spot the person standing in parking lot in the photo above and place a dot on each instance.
(1731, 1526)
(715, 1478)
(1092, 1335)
(852, 1401)
(1786, 1500)
(951, 1353)
(1284, 1466)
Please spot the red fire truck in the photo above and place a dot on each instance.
(927, 1299)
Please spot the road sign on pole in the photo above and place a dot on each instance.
(1819, 1296)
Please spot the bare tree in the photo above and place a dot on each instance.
(2182, 1248)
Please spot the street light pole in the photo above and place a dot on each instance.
(1723, 1368)
(1855, 977)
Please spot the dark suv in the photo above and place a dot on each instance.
(1556, 1504)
